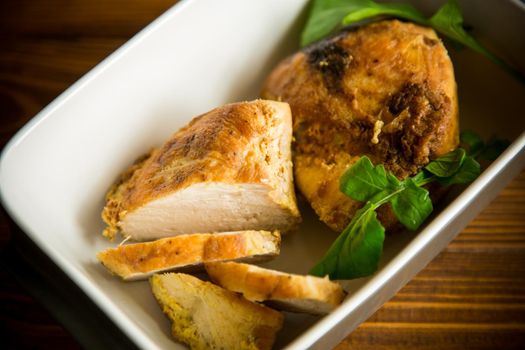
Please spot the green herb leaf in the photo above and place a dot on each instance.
(412, 205)
(448, 20)
(448, 164)
(454, 167)
(324, 17)
(422, 178)
(468, 172)
(327, 15)
(473, 142)
(362, 180)
(371, 9)
(394, 182)
(357, 251)
(478, 149)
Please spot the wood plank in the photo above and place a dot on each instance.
(77, 18)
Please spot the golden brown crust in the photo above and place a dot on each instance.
(232, 144)
(385, 90)
(259, 284)
(206, 316)
(115, 196)
(140, 260)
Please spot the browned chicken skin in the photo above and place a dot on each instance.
(385, 90)
(229, 169)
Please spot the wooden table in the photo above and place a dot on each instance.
(471, 296)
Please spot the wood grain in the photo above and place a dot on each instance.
(472, 296)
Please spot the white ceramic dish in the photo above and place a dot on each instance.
(198, 55)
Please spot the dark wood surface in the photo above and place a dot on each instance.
(472, 296)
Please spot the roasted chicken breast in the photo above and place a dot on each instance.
(284, 291)
(189, 252)
(206, 316)
(227, 170)
(385, 90)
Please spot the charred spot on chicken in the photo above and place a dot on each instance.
(332, 61)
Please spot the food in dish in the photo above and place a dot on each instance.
(284, 291)
(206, 316)
(189, 252)
(385, 90)
(228, 170)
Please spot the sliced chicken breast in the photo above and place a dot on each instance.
(206, 316)
(189, 252)
(385, 90)
(297, 293)
(227, 170)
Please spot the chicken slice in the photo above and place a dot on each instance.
(228, 170)
(206, 316)
(281, 290)
(189, 252)
(385, 90)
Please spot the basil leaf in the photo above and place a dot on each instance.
(393, 181)
(478, 149)
(449, 21)
(473, 142)
(448, 164)
(357, 251)
(371, 9)
(468, 172)
(423, 177)
(324, 17)
(412, 205)
(363, 180)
